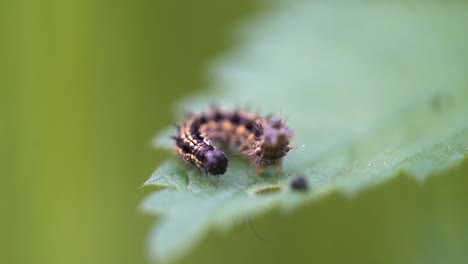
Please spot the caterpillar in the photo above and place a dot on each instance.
(264, 141)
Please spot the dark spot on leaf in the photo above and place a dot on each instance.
(440, 101)
(300, 184)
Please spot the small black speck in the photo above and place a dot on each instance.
(300, 184)
(440, 101)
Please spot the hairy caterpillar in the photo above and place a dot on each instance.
(263, 140)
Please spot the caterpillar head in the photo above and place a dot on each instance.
(216, 162)
(273, 144)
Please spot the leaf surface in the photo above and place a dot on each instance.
(370, 90)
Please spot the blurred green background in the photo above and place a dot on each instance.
(85, 85)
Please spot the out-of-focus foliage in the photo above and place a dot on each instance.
(83, 86)
(371, 90)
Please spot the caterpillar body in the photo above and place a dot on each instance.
(263, 141)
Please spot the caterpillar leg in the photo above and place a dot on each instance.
(260, 169)
(278, 167)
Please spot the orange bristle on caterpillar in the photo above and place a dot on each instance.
(263, 141)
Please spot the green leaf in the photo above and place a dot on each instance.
(370, 90)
